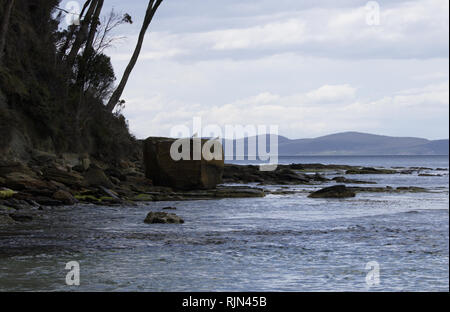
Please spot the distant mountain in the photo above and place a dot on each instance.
(355, 143)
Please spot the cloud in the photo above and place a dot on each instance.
(329, 93)
(298, 116)
(415, 29)
(279, 33)
(313, 69)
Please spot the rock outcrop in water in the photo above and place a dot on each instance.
(163, 218)
(180, 174)
(369, 170)
(337, 191)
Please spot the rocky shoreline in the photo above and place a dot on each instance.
(47, 180)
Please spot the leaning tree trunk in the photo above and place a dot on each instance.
(151, 10)
(71, 33)
(82, 34)
(88, 50)
(4, 26)
(94, 24)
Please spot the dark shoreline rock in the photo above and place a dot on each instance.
(163, 218)
(369, 170)
(350, 181)
(283, 175)
(337, 191)
(48, 181)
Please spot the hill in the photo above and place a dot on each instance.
(356, 143)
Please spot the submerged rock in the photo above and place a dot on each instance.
(163, 218)
(337, 191)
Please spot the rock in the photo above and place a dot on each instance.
(96, 177)
(351, 181)
(114, 180)
(320, 178)
(368, 170)
(85, 163)
(6, 219)
(182, 174)
(413, 189)
(21, 217)
(6, 210)
(337, 191)
(64, 197)
(70, 159)
(429, 175)
(71, 179)
(163, 217)
(115, 173)
(316, 167)
(144, 198)
(43, 158)
(124, 164)
(81, 164)
(372, 189)
(6, 193)
(139, 184)
(18, 204)
(169, 208)
(8, 167)
(47, 201)
(110, 193)
(252, 174)
(239, 192)
(22, 181)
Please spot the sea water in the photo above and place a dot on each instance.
(277, 243)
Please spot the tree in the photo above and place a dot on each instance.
(5, 25)
(94, 23)
(82, 34)
(104, 38)
(115, 98)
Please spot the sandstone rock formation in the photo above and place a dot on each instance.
(181, 174)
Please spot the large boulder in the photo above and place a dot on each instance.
(337, 191)
(181, 174)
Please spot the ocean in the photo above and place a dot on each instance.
(373, 242)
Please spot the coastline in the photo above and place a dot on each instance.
(27, 190)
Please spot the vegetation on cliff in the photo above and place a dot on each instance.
(57, 87)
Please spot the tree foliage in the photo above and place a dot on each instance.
(55, 81)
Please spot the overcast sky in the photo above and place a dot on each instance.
(311, 67)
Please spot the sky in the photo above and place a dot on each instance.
(310, 67)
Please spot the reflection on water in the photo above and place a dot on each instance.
(277, 243)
